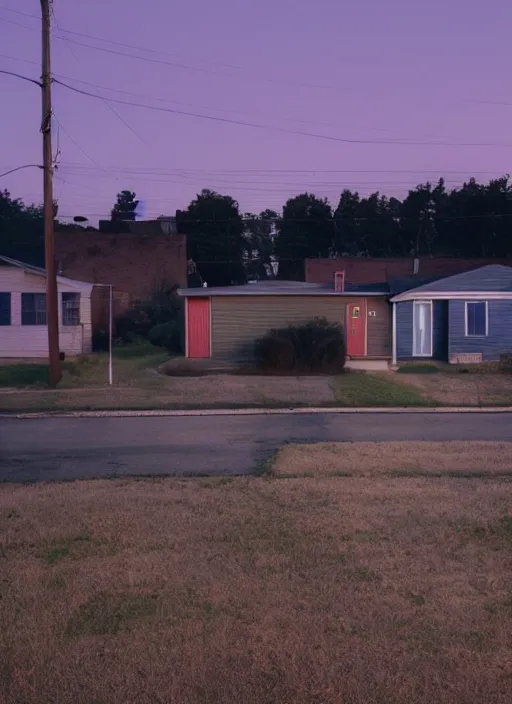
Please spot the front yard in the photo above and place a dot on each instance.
(139, 386)
(363, 573)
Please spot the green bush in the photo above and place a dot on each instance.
(315, 346)
(99, 341)
(159, 320)
(166, 335)
(506, 362)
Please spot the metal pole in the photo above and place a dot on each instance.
(394, 341)
(110, 314)
(52, 308)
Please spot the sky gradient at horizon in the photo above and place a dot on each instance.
(371, 73)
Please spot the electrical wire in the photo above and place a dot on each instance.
(19, 75)
(77, 144)
(330, 138)
(155, 51)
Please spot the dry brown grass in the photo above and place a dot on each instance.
(463, 389)
(389, 458)
(154, 391)
(254, 590)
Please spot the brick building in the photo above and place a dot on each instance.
(132, 262)
(361, 270)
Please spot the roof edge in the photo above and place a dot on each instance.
(452, 296)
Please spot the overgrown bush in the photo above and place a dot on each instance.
(166, 335)
(100, 341)
(315, 346)
(159, 320)
(506, 362)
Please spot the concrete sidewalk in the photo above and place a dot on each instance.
(436, 410)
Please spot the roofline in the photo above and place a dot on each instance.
(210, 293)
(29, 268)
(452, 295)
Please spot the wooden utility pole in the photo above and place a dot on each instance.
(52, 306)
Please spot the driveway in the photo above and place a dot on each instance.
(53, 449)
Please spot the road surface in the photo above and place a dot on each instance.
(53, 449)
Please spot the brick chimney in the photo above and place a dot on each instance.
(339, 281)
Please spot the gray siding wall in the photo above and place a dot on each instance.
(237, 321)
(404, 327)
(499, 339)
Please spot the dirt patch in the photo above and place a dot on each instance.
(470, 459)
(463, 389)
(257, 591)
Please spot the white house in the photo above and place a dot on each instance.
(23, 328)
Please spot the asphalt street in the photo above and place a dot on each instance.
(54, 449)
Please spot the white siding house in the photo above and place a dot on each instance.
(23, 329)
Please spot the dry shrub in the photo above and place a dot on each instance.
(256, 591)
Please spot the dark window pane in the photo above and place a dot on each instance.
(477, 318)
(71, 309)
(5, 308)
(33, 309)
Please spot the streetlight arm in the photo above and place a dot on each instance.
(18, 168)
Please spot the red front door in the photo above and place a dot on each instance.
(356, 330)
(198, 327)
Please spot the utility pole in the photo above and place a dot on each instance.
(52, 306)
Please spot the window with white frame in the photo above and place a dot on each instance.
(71, 309)
(477, 324)
(5, 308)
(33, 308)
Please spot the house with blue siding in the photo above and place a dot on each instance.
(459, 319)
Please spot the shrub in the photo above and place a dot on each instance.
(100, 341)
(506, 362)
(159, 319)
(166, 335)
(315, 346)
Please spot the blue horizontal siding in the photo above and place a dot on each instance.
(499, 338)
(404, 330)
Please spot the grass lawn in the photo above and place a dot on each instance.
(130, 365)
(138, 386)
(374, 588)
(378, 389)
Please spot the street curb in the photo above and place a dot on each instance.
(254, 412)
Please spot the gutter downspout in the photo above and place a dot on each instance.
(393, 336)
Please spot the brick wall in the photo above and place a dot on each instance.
(131, 262)
(359, 270)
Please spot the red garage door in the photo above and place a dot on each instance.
(198, 327)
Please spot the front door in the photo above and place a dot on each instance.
(356, 330)
(198, 327)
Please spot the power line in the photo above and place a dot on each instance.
(119, 117)
(19, 75)
(281, 129)
(156, 51)
(77, 144)
(299, 171)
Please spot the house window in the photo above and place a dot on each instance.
(476, 319)
(71, 309)
(422, 329)
(33, 308)
(5, 308)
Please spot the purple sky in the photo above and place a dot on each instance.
(364, 71)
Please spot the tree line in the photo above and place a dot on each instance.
(226, 246)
